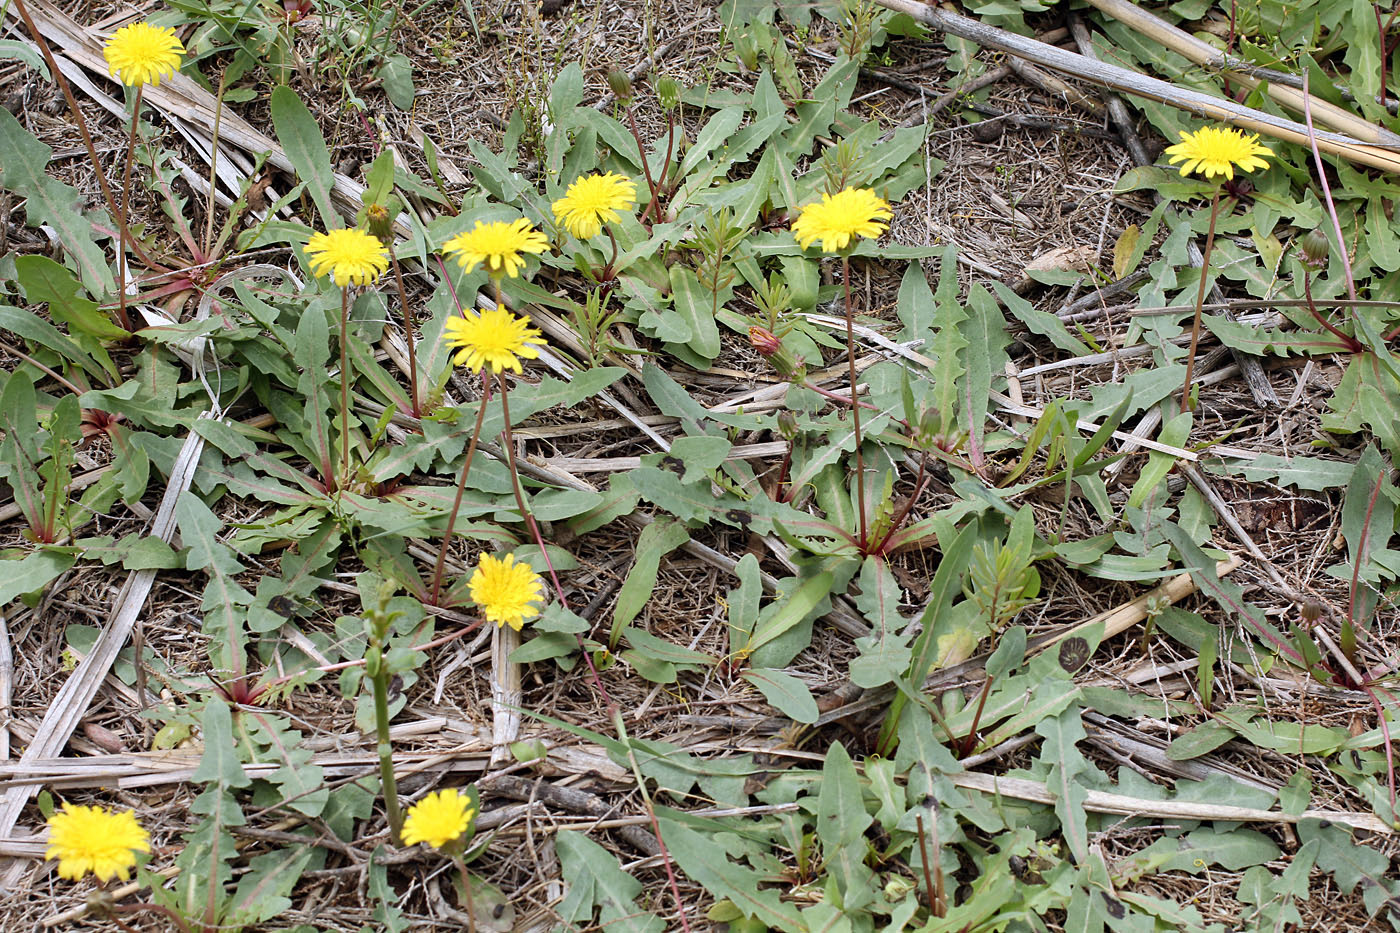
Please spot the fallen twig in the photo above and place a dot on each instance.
(573, 800)
(1131, 82)
(1097, 801)
(1202, 53)
(1119, 620)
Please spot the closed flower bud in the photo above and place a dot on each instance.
(787, 425)
(668, 92)
(100, 903)
(1316, 249)
(770, 347)
(926, 431)
(380, 223)
(764, 341)
(896, 889)
(621, 85)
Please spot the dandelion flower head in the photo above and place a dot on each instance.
(143, 54)
(90, 839)
(1218, 150)
(439, 819)
(498, 245)
(350, 256)
(839, 218)
(494, 338)
(593, 200)
(506, 591)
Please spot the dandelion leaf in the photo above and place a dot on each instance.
(597, 884)
(48, 201)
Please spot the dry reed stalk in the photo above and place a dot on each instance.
(1140, 85)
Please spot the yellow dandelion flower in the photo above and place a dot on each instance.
(439, 819)
(506, 591)
(90, 839)
(143, 54)
(498, 245)
(494, 338)
(839, 218)
(1218, 150)
(348, 255)
(593, 200)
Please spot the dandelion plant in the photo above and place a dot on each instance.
(1210, 152)
(350, 257)
(839, 221)
(138, 54)
(493, 339)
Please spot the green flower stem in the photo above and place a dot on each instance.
(855, 405)
(344, 387)
(461, 489)
(667, 180)
(379, 679)
(123, 231)
(646, 168)
(1200, 301)
(417, 411)
(608, 273)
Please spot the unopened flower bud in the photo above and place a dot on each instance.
(621, 85)
(896, 889)
(668, 92)
(764, 341)
(381, 225)
(770, 347)
(1311, 610)
(787, 425)
(1316, 249)
(926, 432)
(101, 902)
